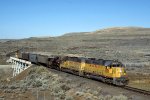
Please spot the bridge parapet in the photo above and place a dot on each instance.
(19, 65)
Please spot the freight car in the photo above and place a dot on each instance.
(42, 59)
(24, 55)
(46, 60)
(33, 58)
(108, 71)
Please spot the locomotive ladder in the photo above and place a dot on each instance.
(19, 65)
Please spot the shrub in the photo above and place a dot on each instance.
(8, 91)
(13, 86)
(120, 97)
(68, 98)
(3, 86)
(23, 89)
(79, 93)
(37, 83)
(64, 87)
(38, 70)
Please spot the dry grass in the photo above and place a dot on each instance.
(40, 79)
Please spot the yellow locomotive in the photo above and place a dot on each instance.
(105, 70)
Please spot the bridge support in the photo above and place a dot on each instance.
(19, 65)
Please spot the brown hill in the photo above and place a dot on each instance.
(131, 45)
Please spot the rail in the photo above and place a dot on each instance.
(137, 90)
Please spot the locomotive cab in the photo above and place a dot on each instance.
(119, 74)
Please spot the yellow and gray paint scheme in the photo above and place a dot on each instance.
(105, 70)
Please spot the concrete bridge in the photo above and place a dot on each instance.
(19, 65)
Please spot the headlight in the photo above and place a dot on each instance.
(120, 71)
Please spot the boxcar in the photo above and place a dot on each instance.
(33, 58)
(19, 55)
(43, 59)
(25, 56)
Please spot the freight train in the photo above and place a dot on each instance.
(109, 71)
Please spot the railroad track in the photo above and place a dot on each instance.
(145, 92)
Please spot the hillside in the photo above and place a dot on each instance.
(40, 83)
(131, 45)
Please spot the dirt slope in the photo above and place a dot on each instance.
(39, 83)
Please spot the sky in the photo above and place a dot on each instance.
(35, 18)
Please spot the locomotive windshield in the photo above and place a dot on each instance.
(112, 63)
(117, 65)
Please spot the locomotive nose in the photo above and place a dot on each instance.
(125, 79)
